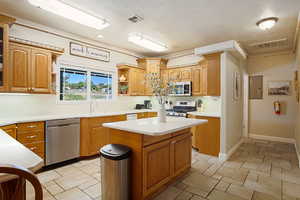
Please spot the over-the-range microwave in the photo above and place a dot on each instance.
(182, 89)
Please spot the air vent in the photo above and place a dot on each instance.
(271, 44)
(135, 19)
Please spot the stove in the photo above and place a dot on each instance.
(181, 108)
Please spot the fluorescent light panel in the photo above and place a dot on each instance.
(59, 8)
(146, 42)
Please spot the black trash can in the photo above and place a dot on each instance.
(115, 169)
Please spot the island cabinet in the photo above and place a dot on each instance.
(206, 137)
(156, 160)
(146, 115)
(10, 130)
(93, 135)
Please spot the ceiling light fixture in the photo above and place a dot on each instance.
(59, 8)
(267, 23)
(99, 36)
(146, 42)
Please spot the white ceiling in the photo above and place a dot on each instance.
(181, 24)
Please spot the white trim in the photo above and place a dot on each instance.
(272, 138)
(298, 153)
(225, 156)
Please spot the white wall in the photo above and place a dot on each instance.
(232, 110)
(262, 120)
(15, 105)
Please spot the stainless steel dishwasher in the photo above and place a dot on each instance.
(62, 140)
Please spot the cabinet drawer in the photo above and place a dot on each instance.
(29, 137)
(147, 139)
(37, 147)
(31, 126)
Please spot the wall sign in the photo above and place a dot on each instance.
(89, 52)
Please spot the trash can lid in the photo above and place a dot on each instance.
(115, 152)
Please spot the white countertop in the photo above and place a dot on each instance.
(152, 126)
(205, 114)
(4, 122)
(14, 153)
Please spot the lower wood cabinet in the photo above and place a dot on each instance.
(32, 135)
(206, 137)
(93, 135)
(10, 130)
(164, 161)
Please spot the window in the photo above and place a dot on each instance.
(80, 85)
(101, 85)
(73, 84)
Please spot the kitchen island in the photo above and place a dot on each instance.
(14, 154)
(161, 152)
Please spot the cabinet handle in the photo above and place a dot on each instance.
(32, 136)
(33, 148)
(31, 126)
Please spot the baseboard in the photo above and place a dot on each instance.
(298, 154)
(272, 138)
(225, 156)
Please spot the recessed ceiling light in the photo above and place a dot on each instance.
(146, 42)
(267, 23)
(59, 8)
(99, 36)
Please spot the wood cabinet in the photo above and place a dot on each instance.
(93, 135)
(32, 135)
(30, 69)
(134, 83)
(175, 74)
(151, 66)
(186, 74)
(10, 130)
(206, 77)
(4, 57)
(156, 160)
(206, 137)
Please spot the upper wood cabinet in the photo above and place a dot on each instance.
(151, 65)
(206, 77)
(30, 69)
(186, 74)
(134, 82)
(41, 69)
(4, 57)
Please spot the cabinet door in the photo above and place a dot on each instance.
(133, 79)
(40, 73)
(208, 136)
(153, 66)
(186, 74)
(19, 68)
(156, 166)
(140, 82)
(164, 75)
(99, 136)
(196, 81)
(175, 75)
(4, 58)
(203, 80)
(181, 147)
(213, 74)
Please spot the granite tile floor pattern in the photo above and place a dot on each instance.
(258, 170)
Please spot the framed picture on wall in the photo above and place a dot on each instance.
(279, 88)
(236, 86)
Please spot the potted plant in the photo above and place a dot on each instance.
(123, 89)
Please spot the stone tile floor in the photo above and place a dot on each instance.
(259, 170)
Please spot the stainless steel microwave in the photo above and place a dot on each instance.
(182, 89)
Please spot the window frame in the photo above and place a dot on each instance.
(89, 72)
